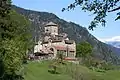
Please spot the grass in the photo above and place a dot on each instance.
(39, 71)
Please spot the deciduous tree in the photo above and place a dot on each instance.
(84, 49)
(100, 8)
(14, 41)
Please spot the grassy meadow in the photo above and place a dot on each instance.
(39, 71)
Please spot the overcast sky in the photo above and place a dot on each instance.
(111, 30)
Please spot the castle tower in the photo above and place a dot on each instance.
(51, 28)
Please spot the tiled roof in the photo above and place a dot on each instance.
(51, 24)
(60, 48)
(64, 48)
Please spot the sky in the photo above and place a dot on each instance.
(110, 32)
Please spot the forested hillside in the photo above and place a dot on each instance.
(74, 31)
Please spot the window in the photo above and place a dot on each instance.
(51, 49)
(71, 54)
(47, 30)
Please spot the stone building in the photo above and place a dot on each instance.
(54, 43)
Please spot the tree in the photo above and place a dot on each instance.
(99, 8)
(84, 49)
(4, 15)
(14, 41)
(5, 7)
(60, 57)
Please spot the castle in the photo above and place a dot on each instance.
(54, 43)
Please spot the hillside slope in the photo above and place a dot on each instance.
(74, 31)
(39, 71)
(114, 43)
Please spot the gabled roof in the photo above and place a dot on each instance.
(51, 24)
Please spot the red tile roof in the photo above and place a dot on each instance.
(60, 48)
(63, 48)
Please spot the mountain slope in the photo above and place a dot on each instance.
(74, 31)
(114, 43)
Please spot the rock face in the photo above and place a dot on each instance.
(74, 31)
(116, 45)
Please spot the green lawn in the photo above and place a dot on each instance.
(39, 71)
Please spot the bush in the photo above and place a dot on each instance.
(99, 66)
(75, 72)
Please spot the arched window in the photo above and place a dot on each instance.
(47, 30)
(51, 49)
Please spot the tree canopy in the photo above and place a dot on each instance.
(100, 8)
(15, 39)
(84, 49)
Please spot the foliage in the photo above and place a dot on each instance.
(99, 8)
(74, 72)
(56, 63)
(60, 57)
(5, 7)
(109, 66)
(14, 41)
(78, 72)
(4, 15)
(94, 64)
(53, 68)
(99, 65)
(118, 17)
(84, 49)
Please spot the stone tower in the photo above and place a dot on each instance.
(51, 28)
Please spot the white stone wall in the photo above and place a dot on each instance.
(47, 29)
(37, 48)
(46, 38)
(54, 30)
(51, 29)
(70, 47)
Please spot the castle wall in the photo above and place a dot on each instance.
(37, 48)
(47, 29)
(53, 30)
(68, 49)
(54, 43)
